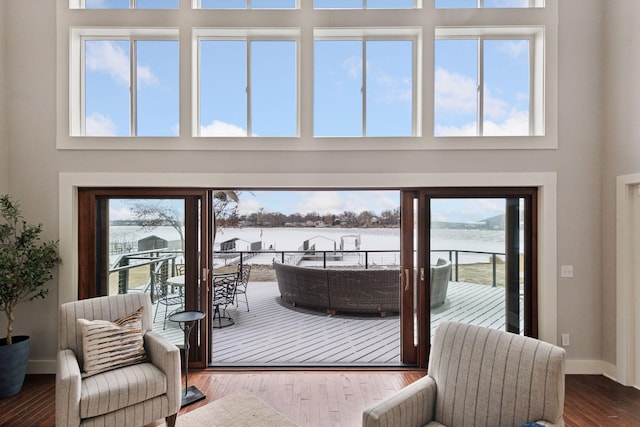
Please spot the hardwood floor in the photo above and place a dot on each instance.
(334, 398)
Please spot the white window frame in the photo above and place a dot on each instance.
(187, 20)
(532, 4)
(77, 67)
(248, 35)
(197, 4)
(383, 34)
(535, 36)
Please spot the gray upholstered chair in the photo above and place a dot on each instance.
(440, 274)
(480, 377)
(133, 395)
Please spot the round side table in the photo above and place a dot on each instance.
(187, 320)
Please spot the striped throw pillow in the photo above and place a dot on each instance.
(110, 345)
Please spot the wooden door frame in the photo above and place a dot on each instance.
(425, 195)
(92, 234)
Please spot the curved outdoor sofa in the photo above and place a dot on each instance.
(338, 289)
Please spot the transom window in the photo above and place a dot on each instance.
(307, 75)
(460, 4)
(363, 85)
(247, 84)
(483, 83)
(365, 4)
(130, 84)
(123, 4)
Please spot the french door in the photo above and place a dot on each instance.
(158, 245)
(508, 301)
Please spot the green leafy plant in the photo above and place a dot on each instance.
(26, 262)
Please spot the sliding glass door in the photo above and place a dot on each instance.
(468, 255)
(147, 241)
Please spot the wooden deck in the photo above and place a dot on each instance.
(274, 333)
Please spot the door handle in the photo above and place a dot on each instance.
(422, 273)
(407, 276)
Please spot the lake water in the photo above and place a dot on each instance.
(328, 239)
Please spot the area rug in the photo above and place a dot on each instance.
(239, 409)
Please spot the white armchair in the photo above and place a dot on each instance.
(481, 377)
(133, 395)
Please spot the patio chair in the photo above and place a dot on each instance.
(243, 281)
(168, 296)
(224, 292)
(483, 377)
(440, 274)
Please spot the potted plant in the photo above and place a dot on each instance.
(26, 264)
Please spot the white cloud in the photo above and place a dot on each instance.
(468, 129)
(393, 91)
(249, 205)
(514, 48)
(323, 202)
(353, 66)
(99, 125)
(120, 213)
(517, 123)
(494, 108)
(455, 92)
(107, 56)
(218, 128)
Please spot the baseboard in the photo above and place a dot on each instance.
(41, 367)
(589, 367)
(572, 367)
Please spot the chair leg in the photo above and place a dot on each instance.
(171, 420)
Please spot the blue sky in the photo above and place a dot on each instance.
(337, 202)
(339, 75)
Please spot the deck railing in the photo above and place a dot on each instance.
(365, 257)
(166, 258)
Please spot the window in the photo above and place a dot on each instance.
(124, 78)
(245, 4)
(458, 4)
(364, 4)
(307, 75)
(483, 83)
(123, 4)
(247, 85)
(364, 85)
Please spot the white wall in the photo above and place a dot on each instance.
(4, 144)
(621, 141)
(35, 163)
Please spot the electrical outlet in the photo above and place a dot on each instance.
(566, 340)
(566, 271)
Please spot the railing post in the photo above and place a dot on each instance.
(493, 257)
(123, 276)
(457, 259)
(366, 260)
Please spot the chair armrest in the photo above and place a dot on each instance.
(411, 406)
(68, 390)
(166, 357)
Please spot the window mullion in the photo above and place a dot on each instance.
(133, 88)
(248, 87)
(363, 89)
(480, 119)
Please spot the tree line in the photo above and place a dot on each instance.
(347, 219)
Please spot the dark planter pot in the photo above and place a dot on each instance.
(13, 364)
